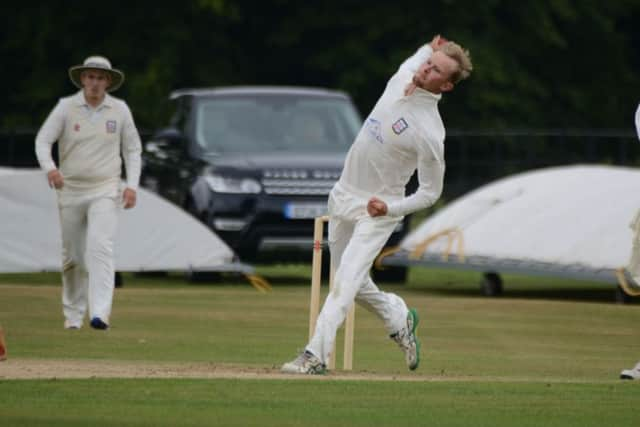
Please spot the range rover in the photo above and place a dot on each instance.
(255, 164)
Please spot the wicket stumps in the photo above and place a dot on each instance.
(314, 306)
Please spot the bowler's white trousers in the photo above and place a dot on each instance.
(355, 239)
(88, 231)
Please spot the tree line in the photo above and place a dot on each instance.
(538, 64)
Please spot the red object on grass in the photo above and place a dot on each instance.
(3, 346)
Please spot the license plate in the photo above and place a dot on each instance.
(304, 210)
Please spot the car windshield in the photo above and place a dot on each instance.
(259, 123)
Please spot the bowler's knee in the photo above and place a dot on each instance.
(71, 259)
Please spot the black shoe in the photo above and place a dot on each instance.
(97, 323)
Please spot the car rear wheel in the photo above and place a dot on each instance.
(491, 284)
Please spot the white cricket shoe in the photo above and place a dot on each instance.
(631, 374)
(305, 363)
(408, 341)
(69, 324)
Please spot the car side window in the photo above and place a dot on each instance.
(180, 116)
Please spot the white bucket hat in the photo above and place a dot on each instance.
(97, 63)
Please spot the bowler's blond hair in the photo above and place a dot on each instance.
(462, 58)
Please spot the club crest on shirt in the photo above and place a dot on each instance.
(399, 126)
(111, 126)
(76, 127)
(374, 128)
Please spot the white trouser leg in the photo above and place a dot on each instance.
(634, 260)
(75, 279)
(634, 263)
(389, 307)
(102, 224)
(360, 243)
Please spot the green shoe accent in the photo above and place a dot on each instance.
(414, 315)
(320, 371)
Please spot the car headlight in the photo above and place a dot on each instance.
(223, 184)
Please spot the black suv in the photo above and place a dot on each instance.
(255, 164)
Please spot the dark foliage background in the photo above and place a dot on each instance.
(538, 64)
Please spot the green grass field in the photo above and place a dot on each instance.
(546, 353)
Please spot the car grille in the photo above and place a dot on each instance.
(299, 182)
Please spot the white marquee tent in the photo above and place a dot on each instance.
(568, 221)
(154, 236)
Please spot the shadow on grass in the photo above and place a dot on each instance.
(560, 293)
(516, 287)
(450, 283)
(429, 281)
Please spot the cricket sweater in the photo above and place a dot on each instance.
(90, 142)
(401, 134)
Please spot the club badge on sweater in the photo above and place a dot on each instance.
(400, 126)
(111, 126)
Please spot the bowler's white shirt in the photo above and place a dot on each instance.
(402, 134)
(90, 141)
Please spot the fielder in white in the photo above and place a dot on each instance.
(634, 265)
(404, 132)
(93, 130)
